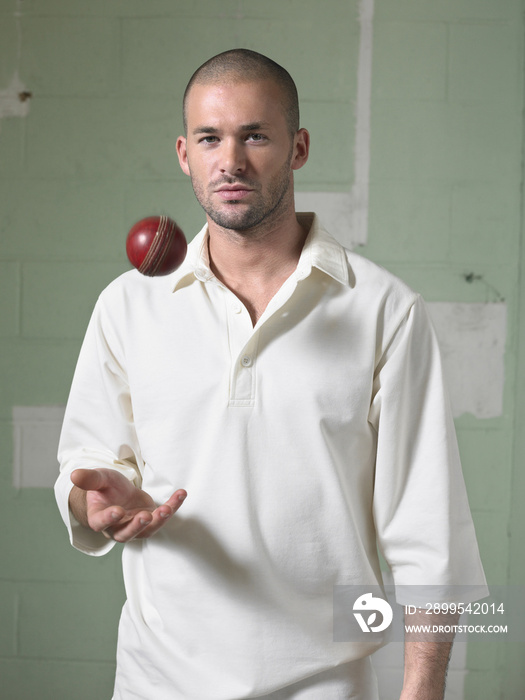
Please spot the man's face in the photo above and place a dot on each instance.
(239, 153)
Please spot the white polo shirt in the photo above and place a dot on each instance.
(303, 442)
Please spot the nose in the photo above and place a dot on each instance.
(232, 160)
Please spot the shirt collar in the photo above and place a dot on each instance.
(196, 264)
(320, 250)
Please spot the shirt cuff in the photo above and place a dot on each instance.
(82, 538)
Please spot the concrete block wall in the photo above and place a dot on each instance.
(445, 214)
(92, 149)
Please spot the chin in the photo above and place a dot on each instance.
(241, 223)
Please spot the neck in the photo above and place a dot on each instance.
(254, 264)
(263, 253)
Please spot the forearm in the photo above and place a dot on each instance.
(427, 656)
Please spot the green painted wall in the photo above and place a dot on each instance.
(96, 152)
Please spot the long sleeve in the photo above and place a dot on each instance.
(98, 429)
(421, 511)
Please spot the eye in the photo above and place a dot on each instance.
(208, 139)
(256, 137)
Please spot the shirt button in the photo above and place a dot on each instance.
(246, 361)
(237, 308)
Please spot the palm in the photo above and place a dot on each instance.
(120, 493)
(117, 508)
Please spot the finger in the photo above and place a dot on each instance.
(164, 512)
(133, 528)
(143, 524)
(158, 521)
(88, 479)
(175, 501)
(108, 517)
(172, 505)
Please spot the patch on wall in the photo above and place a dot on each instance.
(36, 431)
(14, 101)
(472, 340)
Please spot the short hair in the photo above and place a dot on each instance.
(248, 66)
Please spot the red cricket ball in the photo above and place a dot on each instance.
(156, 246)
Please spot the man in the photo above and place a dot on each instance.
(294, 390)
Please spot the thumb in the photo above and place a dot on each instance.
(89, 479)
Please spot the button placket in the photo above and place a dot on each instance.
(242, 351)
(244, 340)
(244, 377)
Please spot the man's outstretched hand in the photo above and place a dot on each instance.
(106, 501)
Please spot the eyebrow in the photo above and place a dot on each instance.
(254, 126)
(205, 130)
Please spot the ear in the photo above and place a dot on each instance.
(182, 153)
(301, 149)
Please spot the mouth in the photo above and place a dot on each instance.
(233, 193)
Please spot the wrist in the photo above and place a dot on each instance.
(423, 691)
(78, 506)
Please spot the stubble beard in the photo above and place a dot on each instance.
(237, 215)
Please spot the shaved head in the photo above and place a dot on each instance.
(242, 66)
